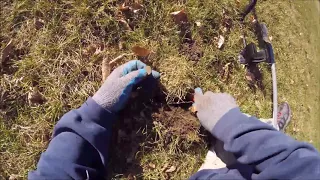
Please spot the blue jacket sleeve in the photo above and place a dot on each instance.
(268, 153)
(79, 146)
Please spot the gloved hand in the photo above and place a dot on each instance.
(116, 90)
(211, 107)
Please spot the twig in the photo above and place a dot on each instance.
(119, 58)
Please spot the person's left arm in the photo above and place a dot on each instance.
(80, 141)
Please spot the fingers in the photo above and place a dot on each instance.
(134, 65)
(197, 94)
(133, 78)
(198, 91)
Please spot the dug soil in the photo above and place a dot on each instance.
(148, 124)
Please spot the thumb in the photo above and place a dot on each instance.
(197, 94)
(196, 98)
(133, 78)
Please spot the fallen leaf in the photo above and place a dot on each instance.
(171, 169)
(38, 23)
(180, 17)
(140, 51)
(221, 41)
(123, 7)
(125, 24)
(34, 97)
(6, 51)
(151, 165)
(136, 7)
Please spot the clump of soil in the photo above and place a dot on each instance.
(179, 123)
(192, 51)
(150, 123)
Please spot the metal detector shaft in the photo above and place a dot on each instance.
(274, 95)
(274, 85)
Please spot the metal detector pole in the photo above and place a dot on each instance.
(274, 85)
(274, 95)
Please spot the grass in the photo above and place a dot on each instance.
(51, 52)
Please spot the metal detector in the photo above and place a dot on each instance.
(250, 55)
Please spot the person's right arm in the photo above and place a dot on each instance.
(271, 153)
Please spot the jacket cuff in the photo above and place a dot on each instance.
(97, 114)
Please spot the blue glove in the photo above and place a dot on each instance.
(116, 90)
(211, 107)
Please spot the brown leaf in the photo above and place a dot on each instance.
(180, 17)
(136, 7)
(34, 97)
(38, 23)
(125, 24)
(7, 51)
(171, 169)
(140, 51)
(123, 7)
